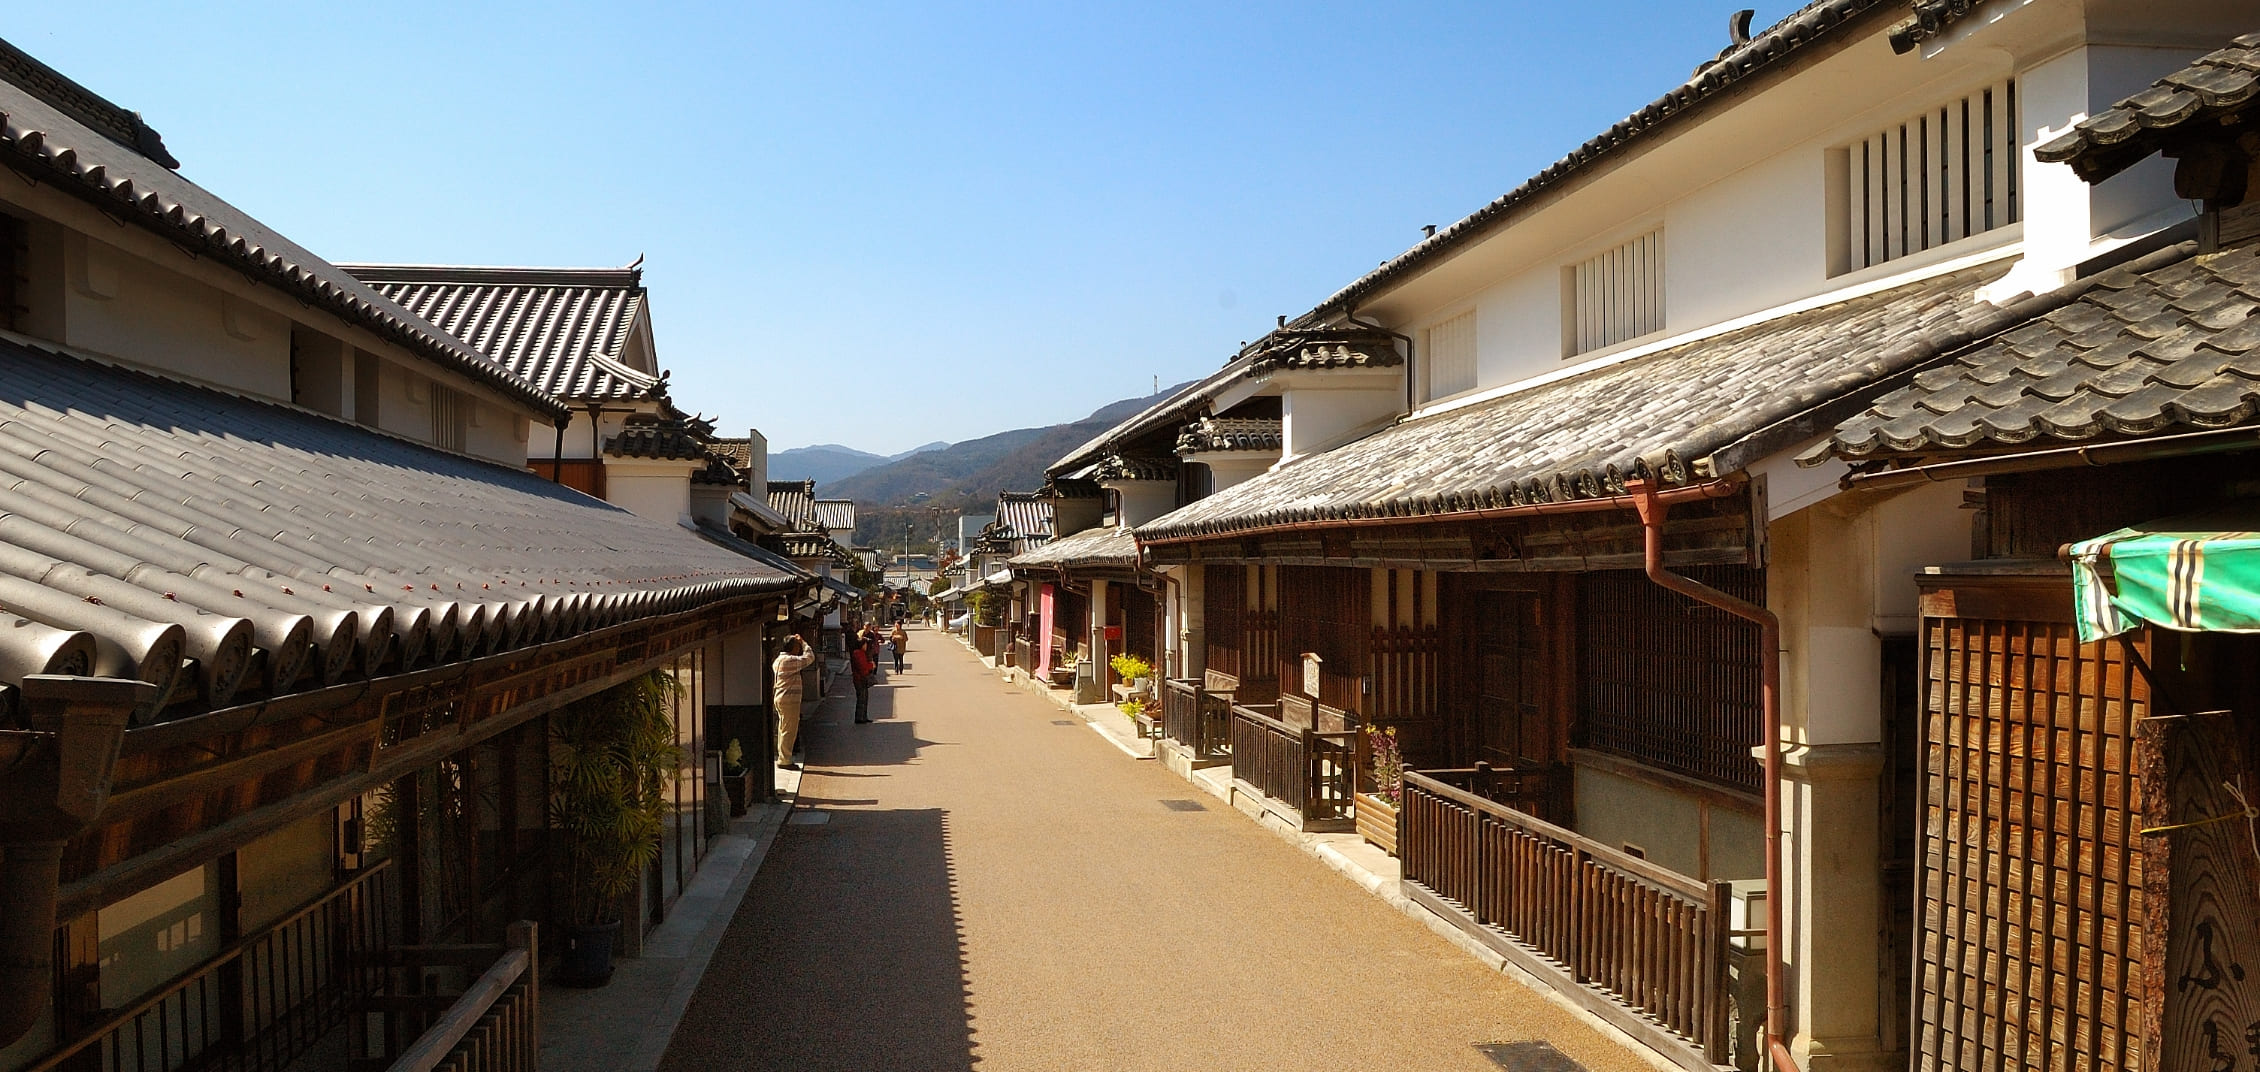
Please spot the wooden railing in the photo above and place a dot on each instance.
(1649, 938)
(495, 1025)
(262, 1002)
(1197, 718)
(1307, 771)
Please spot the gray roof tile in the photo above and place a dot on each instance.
(1582, 436)
(2127, 362)
(47, 144)
(2216, 86)
(1104, 546)
(562, 329)
(346, 552)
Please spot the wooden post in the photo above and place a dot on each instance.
(2201, 893)
(526, 934)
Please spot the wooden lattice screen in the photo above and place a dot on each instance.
(1223, 606)
(1327, 610)
(2031, 874)
(1668, 682)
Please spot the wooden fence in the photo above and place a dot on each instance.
(1652, 940)
(1307, 772)
(258, 1005)
(495, 1025)
(1198, 719)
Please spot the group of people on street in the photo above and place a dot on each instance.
(865, 650)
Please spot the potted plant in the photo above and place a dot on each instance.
(613, 755)
(1381, 786)
(1134, 671)
(737, 781)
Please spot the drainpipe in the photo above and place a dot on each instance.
(57, 780)
(1653, 507)
(1351, 315)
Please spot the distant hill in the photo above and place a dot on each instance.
(963, 476)
(827, 462)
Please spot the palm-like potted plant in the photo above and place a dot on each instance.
(613, 758)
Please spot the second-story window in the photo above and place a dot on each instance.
(1450, 350)
(1938, 177)
(1614, 296)
(451, 418)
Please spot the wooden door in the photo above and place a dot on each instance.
(1511, 725)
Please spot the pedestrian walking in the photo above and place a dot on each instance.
(863, 665)
(786, 693)
(900, 638)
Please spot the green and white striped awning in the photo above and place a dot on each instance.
(2199, 574)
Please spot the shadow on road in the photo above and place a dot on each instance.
(846, 954)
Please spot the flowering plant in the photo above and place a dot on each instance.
(1386, 763)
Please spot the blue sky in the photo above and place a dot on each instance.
(884, 224)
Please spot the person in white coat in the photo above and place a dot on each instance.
(795, 658)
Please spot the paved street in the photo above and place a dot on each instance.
(977, 879)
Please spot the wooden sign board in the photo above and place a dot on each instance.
(2201, 886)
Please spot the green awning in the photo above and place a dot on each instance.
(2199, 573)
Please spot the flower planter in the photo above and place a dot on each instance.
(1377, 822)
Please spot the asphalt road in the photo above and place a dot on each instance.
(977, 880)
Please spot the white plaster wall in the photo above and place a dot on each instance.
(1924, 526)
(711, 503)
(658, 491)
(120, 305)
(157, 934)
(1618, 811)
(1140, 501)
(1315, 419)
(1225, 470)
(740, 664)
(281, 872)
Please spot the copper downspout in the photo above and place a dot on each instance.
(1653, 506)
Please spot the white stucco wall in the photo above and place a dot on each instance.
(656, 490)
(119, 305)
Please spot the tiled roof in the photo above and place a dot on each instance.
(1662, 416)
(1101, 546)
(91, 110)
(666, 440)
(795, 499)
(143, 520)
(814, 545)
(1222, 434)
(738, 452)
(718, 473)
(1930, 19)
(1028, 514)
(1778, 48)
(1116, 467)
(46, 144)
(563, 329)
(835, 513)
(2213, 90)
(1323, 348)
(2173, 348)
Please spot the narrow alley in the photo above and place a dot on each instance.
(978, 879)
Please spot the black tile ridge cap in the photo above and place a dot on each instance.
(1789, 41)
(28, 150)
(630, 278)
(1913, 357)
(96, 112)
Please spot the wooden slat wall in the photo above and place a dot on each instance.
(2030, 869)
(1224, 614)
(1327, 610)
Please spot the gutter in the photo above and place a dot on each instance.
(59, 780)
(1653, 507)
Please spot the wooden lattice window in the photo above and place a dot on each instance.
(1669, 682)
(1937, 177)
(1327, 610)
(2031, 866)
(1614, 296)
(1223, 592)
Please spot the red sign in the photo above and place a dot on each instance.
(1113, 633)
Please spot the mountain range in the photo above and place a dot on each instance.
(827, 462)
(965, 477)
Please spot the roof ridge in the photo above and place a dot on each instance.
(527, 275)
(98, 113)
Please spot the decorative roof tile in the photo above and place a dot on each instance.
(1671, 417)
(1323, 348)
(1217, 435)
(668, 440)
(2215, 90)
(562, 329)
(1118, 467)
(2100, 375)
(1930, 19)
